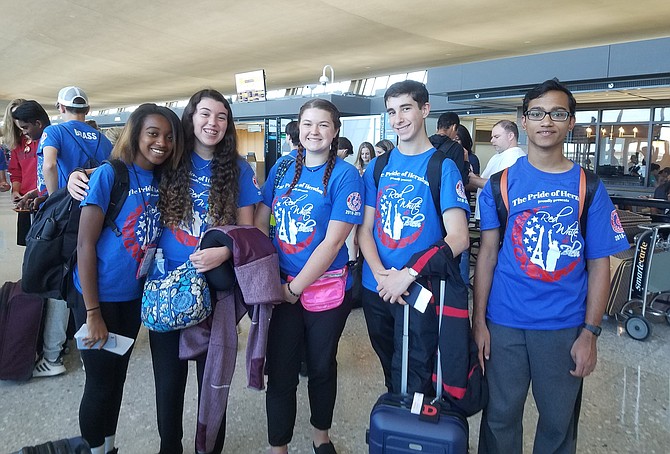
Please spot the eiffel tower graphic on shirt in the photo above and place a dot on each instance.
(536, 258)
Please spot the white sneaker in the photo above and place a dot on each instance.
(46, 368)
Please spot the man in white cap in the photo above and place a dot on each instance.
(63, 148)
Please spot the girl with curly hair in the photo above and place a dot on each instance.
(211, 186)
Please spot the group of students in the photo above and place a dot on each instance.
(187, 176)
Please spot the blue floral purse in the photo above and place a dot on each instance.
(176, 301)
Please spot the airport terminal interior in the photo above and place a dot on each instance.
(268, 60)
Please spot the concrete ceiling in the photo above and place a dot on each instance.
(126, 52)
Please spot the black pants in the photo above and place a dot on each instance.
(385, 322)
(291, 328)
(170, 375)
(105, 371)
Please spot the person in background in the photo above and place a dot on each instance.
(93, 124)
(109, 293)
(63, 148)
(383, 146)
(13, 138)
(316, 205)
(4, 185)
(32, 119)
(505, 140)
(464, 138)
(366, 152)
(654, 170)
(292, 137)
(113, 134)
(443, 141)
(344, 148)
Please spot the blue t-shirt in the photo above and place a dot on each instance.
(540, 280)
(119, 257)
(406, 221)
(3, 159)
(78, 144)
(179, 243)
(303, 215)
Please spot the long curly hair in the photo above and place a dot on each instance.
(175, 202)
(329, 107)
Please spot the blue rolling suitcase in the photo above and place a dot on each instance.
(394, 429)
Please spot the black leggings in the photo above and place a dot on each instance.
(105, 371)
(170, 375)
(291, 328)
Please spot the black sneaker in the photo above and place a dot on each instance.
(326, 448)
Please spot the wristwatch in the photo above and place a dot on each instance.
(596, 330)
(412, 272)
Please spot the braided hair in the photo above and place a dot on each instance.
(329, 107)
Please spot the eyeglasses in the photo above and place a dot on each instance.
(555, 115)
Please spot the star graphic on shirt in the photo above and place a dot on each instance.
(525, 240)
(530, 231)
(534, 219)
(529, 249)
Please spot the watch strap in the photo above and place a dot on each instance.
(596, 330)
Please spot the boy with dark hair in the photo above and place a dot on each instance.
(344, 147)
(540, 297)
(293, 137)
(403, 241)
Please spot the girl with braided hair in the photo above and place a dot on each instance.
(316, 203)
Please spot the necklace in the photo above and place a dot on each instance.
(317, 168)
(207, 163)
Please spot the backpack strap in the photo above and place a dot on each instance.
(590, 182)
(119, 193)
(380, 163)
(498, 183)
(434, 177)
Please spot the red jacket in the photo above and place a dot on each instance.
(23, 165)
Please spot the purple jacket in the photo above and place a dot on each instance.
(257, 289)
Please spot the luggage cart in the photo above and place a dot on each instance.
(649, 293)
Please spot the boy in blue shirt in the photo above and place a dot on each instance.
(539, 298)
(401, 239)
(63, 148)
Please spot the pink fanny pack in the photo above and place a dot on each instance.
(326, 293)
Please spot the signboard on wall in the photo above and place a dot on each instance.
(250, 86)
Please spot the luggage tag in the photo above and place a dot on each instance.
(427, 408)
(148, 253)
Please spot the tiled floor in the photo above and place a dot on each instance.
(626, 406)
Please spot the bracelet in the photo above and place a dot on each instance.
(80, 169)
(93, 309)
(288, 286)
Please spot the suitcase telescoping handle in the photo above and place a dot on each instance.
(405, 347)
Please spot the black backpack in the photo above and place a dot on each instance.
(588, 185)
(51, 242)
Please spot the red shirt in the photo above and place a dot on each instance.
(23, 164)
